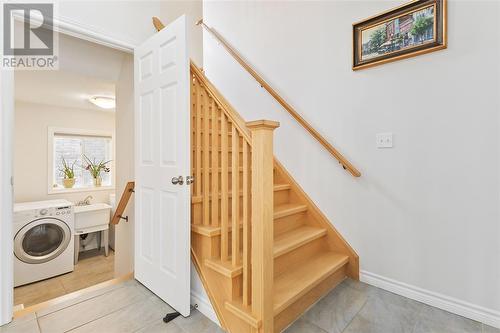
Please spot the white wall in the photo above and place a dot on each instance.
(124, 234)
(31, 147)
(425, 213)
(170, 10)
(127, 21)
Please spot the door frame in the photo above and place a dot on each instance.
(67, 27)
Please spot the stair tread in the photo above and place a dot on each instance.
(283, 244)
(277, 187)
(295, 238)
(282, 187)
(298, 280)
(288, 209)
(224, 267)
(208, 230)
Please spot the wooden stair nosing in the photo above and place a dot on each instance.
(224, 268)
(288, 209)
(211, 231)
(296, 238)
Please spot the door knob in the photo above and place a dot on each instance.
(189, 180)
(178, 180)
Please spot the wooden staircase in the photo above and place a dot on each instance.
(264, 251)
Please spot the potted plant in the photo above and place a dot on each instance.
(69, 174)
(95, 168)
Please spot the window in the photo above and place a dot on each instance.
(72, 146)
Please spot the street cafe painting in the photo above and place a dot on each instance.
(415, 28)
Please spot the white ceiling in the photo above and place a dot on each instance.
(85, 69)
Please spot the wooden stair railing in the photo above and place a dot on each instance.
(234, 160)
(127, 192)
(264, 252)
(341, 159)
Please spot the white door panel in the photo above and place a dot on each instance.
(162, 229)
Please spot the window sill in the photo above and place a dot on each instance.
(80, 189)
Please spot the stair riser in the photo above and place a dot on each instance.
(205, 247)
(288, 223)
(288, 316)
(296, 256)
(281, 197)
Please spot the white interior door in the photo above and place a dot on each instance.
(162, 140)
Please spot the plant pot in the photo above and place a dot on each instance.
(97, 181)
(68, 182)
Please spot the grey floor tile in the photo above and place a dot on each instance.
(129, 319)
(360, 286)
(385, 312)
(197, 323)
(21, 326)
(85, 297)
(434, 320)
(160, 327)
(337, 309)
(489, 329)
(302, 326)
(92, 309)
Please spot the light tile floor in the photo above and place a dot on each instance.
(353, 307)
(92, 268)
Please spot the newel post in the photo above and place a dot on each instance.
(262, 221)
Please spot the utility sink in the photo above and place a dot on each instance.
(89, 217)
(92, 218)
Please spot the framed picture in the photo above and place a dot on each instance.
(415, 28)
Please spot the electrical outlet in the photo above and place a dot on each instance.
(384, 140)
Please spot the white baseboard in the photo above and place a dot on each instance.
(204, 306)
(450, 304)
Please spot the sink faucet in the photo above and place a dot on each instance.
(86, 201)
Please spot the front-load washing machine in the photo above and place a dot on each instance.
(43, 240)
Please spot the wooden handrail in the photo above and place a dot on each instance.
(127, 192)
(342, 160)
(158, 24)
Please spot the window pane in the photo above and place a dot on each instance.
(73, 148)
(97, 149)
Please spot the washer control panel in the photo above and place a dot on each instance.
(58, 211)
(63, 210)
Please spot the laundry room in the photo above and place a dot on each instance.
(73, 162)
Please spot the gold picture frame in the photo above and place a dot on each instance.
(406, 31)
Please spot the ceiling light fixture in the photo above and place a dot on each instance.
(103, 102)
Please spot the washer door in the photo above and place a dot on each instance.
(41, 240)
